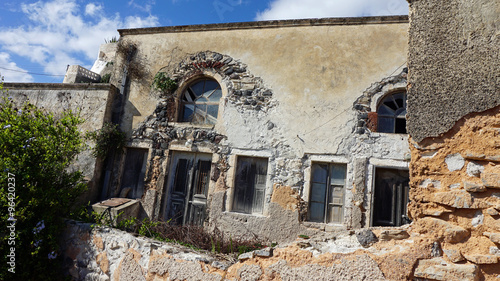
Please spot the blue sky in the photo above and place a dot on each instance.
(43, 37)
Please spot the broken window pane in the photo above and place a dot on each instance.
(250, 184)
(200, 102)
(326, 196)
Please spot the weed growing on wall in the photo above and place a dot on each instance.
(163, 83)
(37, 188)
(107, 139)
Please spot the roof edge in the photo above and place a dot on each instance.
(57, 86)
(266, 24)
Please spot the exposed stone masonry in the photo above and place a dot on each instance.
(244, 89)
(366, 115)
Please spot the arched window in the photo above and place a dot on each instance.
(200, 102)
(392, 114)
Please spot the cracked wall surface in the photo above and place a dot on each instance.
(453, 121)
(460, 40)
(288, 96)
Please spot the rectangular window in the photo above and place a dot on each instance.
(326, 197)
(132, 183)
(391, 197)
(250, 185)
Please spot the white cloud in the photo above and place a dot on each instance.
(92, 9)
(11, 72)
(60, 34)
(144, 8)
(295, 9)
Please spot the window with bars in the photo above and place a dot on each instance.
(326, 196)
(392, 114)
(200, 102)
(250, 185)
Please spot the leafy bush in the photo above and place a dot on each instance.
(107, 139)
(37, 189)
(164, 83)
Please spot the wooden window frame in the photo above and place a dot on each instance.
(190, 97)
(250, 183)
(327, 196)
(388, 102)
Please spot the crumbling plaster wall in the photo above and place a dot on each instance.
(453, 120)
(95, 253)
(453, 61)
(93, 102)
(288, 95)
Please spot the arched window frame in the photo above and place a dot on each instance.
(391, 112)
(203, 100)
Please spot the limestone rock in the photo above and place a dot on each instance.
(246, 256)
(366, 237)
(482, 259)
(492, 212)
(472, 187)
(491, 180)
(474, 169)
(442, 229)
(456, 199)
(439, 269)
(494, 237)
(453, 255)
(266, 252)
(454, 162)
(393, 234)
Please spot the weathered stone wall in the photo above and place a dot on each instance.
(94, 253)
(93, 102)
(453, 60)
(295, 92)
(454, 120)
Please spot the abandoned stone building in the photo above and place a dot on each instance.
(274, 127)
(280, 128)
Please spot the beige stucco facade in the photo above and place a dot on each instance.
(294, 93)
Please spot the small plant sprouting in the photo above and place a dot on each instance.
(106, 139)
(303, 236)
(164, 83)
(113, 39)
(105, 78)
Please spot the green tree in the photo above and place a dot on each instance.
(37, 188)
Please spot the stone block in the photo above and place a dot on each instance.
(454, 162)
(494, 251)
(453, 255)
(472, 187)
(266, 252)
(393, 234)
(494, 237)
(221, 265)
(491, 180)
(456, 199)
(366, 237)
(449, 232)
(482, 259)
(492, 212)
(439, 269)
(246, 256)
(474, 169)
